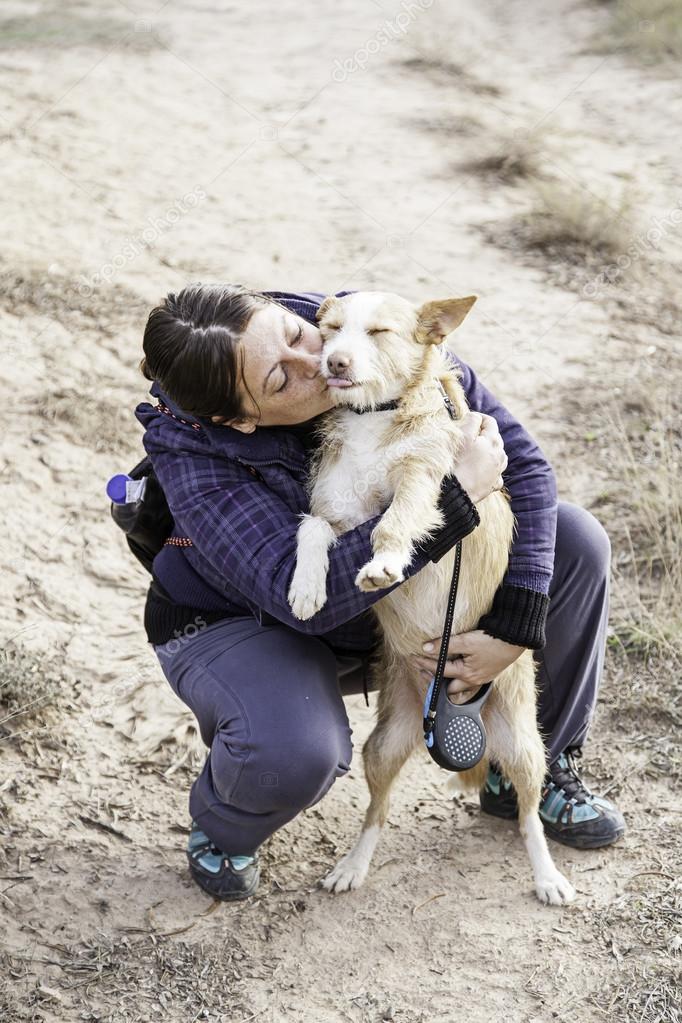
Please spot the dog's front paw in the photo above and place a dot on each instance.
(555, 890)
(307, 593)
(348, 873)
(382, 571)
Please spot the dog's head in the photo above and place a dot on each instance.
(373, 342)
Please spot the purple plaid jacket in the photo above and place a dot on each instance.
(238, 498)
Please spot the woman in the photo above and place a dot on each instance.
(238, 388)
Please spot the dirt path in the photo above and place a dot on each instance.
(146, 144)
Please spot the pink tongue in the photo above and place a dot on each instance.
(338, 382)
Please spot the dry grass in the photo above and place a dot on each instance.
(96, 411)
(632, 420)
(575, 222)
(511, 156)
(641, 929)
(29, 685)
(60, 25)
(440, 67)
(440, 53)
(31, 291)
(461, 125)
(571, 232)
(650, 30)
(120, 980)
(646, 995)
(631, 416)
(100, 422)
(641, 423)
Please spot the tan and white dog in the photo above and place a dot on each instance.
(378, 347)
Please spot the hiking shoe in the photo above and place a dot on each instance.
(569, 812)
(220, 874)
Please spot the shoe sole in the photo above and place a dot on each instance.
(586, 843)
(228, 896)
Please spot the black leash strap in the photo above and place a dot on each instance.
(454, 733)
(430, 718)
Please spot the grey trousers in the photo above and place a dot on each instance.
(269, 700)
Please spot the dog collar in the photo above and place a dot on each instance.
(387, 406)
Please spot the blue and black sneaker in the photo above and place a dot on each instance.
(222, 875)
(570, 813)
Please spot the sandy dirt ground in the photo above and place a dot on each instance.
(144, 145)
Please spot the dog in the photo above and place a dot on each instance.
(379, 348)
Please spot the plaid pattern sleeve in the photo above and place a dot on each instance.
(247, 534)
(521, 602)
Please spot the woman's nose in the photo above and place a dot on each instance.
(310, 362)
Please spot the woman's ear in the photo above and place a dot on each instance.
(435, 320)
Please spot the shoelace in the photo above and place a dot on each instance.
(238, 861)
(568, 778)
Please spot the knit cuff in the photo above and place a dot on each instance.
(461, 517)
(517, 616)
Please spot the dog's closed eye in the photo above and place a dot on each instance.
(380, 330)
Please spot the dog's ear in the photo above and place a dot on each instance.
(326, 305)
(435, 320)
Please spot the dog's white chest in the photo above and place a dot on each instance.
(353, 488)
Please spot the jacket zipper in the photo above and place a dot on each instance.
(269, 461)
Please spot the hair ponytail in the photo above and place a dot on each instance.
(144, 369)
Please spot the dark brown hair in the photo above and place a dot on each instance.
(191, 347)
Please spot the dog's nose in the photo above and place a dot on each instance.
(338, 362)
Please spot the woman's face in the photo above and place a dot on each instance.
(281, 354)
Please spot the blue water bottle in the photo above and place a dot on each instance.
(140, 509)
(123, 489)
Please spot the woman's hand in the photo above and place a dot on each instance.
(474, 658)
(482, 458)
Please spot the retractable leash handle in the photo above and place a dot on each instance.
(454, 733)
(457, 739)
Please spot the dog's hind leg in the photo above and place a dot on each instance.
(395, 737)
(515, 743)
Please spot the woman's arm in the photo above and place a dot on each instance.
(521, 602)
(248, 536)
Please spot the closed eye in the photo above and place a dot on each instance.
(294, 341)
